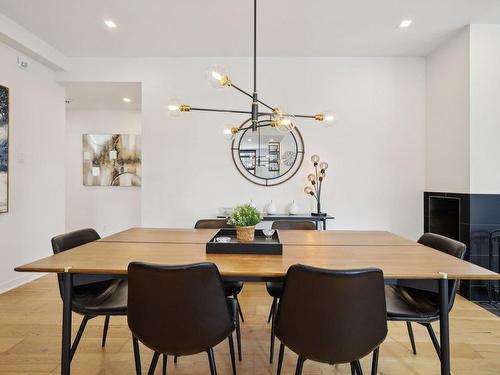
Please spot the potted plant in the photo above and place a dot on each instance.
(245, 218)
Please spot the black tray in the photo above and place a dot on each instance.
(260, 245)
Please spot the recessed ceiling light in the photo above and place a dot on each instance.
(404, 24)
(110, 23)
(127, 100)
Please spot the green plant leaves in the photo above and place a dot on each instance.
(245, 215)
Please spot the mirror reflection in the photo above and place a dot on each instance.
(268, 154)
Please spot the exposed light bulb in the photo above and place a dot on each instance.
(110, 24)
(127, 100)
(230, 133)
(323, 166)
(282, 120)
(311, 177)
(218, 77)
(308, 190)
(174, 107)
(315, 159)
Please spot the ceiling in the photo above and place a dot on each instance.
(103, 95)
(154, 28)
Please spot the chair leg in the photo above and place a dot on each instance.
(175, 359)
(271, 311)
(375, 361)
(280, 358)
(358, 368)
(105, 331)
(434, 339)
(231, 352)
(165, 359)
(137, 355)
(211, 361)
(235, 296)
(238, 333)
(79, 334)
(412, 338)
(154, 362)
(271, 349)
(353, 369)
(300, 365)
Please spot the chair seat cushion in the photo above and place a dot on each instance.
(233, 287)
(405, 303)
(275, 288)
(101, 298)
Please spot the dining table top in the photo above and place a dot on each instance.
(397, 257)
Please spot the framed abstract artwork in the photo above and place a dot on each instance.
(111, 160)
(4, 149)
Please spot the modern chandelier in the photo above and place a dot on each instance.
(274, 117)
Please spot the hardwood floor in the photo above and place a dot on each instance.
(30, 341)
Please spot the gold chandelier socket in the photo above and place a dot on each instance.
(319, 117)
(225, 81)
(234, 130)
(274, 123)
(184, 108)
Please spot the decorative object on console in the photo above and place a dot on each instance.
(4, 149)
(271, 208)
(112, 160)
(245, 218)
(316, 180)
(293, 209)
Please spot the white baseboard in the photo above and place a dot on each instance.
(18, 281)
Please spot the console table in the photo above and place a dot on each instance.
(299, 217)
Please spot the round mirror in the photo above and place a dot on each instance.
(267, 156)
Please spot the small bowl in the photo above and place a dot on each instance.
(268, 233)
(222, 239)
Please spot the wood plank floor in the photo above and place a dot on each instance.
(30, 341)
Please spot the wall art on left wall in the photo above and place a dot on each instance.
(4, 149)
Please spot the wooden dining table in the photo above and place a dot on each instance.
(397, 257)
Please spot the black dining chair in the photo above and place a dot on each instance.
(232, 288)
(418, 301)
(179, 310)
(275, 288)
(332, 316)
(92, 295)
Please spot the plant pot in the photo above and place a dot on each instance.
(245, 234)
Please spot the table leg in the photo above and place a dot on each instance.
(444, 326)
(66, 327)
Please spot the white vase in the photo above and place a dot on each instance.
(293, 209)
(271, 208)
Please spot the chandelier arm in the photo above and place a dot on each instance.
(227, 111)
(219, 110)
(306, 116)
(250, 95)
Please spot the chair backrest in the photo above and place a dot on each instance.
(332, 316)
(69, 241)
(294, 224)
(212, 224)
(450, 247)
(177, 310)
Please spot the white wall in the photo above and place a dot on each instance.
(376, 151)
(485, 108)
(106, 209)
(447, 116)
(36, 209)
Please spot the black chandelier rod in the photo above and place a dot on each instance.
(250, 95)
(255, 46)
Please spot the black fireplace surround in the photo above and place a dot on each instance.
(469, 218)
